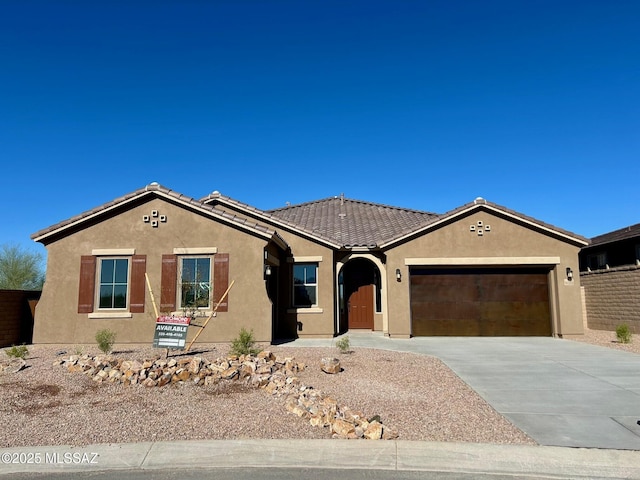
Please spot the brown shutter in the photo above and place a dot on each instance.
(168, 285)
(221, 280)
(138, 269)
(86, 292)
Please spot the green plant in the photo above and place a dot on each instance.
(105, 339)
(343, 344)
(244, 343)
(623, 333)
(19, 351)
(78, 350)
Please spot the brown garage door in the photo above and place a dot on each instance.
(480, 302)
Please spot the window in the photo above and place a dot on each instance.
(195, 281)
(597, 261)
(305, 284)
(114, 283)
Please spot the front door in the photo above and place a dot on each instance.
(360, 305)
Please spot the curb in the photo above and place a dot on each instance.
(337, 454)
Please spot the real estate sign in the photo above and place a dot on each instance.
(171, 332)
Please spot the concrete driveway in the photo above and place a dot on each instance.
(559, 392)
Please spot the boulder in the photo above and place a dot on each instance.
(330, 365)
(12, 366)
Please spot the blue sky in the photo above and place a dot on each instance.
(534, 105)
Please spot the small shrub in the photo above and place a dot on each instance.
(78, 350)
(623, 333)
(343, 344)
(19, 351)
(244, 343)
(105, 338)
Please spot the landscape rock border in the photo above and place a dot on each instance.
(276, 376)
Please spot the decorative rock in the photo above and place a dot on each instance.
(229, 373)
(275, 376)
(74, 367)
(373, 431)
(266, 355)
(342, 428)
(194, 365)
(330, 365)
(149, 383)
(12, 366)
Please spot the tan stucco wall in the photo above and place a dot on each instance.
(320, 321)
(505, 240)
(57, 320)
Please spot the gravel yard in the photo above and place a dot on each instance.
(416, 395)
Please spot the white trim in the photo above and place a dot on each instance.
(305, 310)
(106, 315)
(304, 259)
(195, 251)
(112, 251)
(483, 261)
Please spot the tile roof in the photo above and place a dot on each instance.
(480, 203)
(337, 221)
(352, 223)
(617, 235)
(156, 189)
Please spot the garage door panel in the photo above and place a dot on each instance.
(451, 310)
(514, 293)
(449, 293)
(448, 327)
(486, 302)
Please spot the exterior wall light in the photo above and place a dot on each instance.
(398, 275)
(267, 270)
(569, 273)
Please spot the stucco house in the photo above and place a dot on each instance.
(315, 269)
(610, 277)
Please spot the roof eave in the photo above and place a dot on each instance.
(42, 235)
(466, 209)
(266, 217)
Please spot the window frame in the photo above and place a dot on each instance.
(180, 282)
(99, 283)
(305, 284)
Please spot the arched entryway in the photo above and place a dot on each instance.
(359, 293)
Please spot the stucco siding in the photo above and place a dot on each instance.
(318, 321)
(57, 320)
(507, 243)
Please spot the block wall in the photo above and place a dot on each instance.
(17, 309)
(612, 297)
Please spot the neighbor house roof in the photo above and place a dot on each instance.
(625, 233)
(154, 189)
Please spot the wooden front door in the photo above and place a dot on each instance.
(360, 305)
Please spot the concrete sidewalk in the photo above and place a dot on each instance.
(559, 392)
(518, 460)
